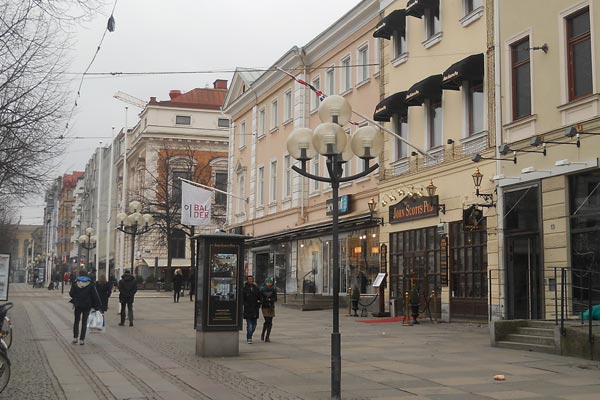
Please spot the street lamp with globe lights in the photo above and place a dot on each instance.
(134, 224)
(88, 242)
(332, 142)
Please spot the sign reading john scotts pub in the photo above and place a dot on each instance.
(409, 209)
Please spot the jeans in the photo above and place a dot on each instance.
(129, 307)
(250, 327)
(80, 315)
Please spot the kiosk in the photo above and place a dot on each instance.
(218, 308)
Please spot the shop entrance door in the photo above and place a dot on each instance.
(524, 277)
(263, 267)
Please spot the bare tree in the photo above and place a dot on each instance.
(33, 91)
(164, 189)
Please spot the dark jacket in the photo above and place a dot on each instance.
(84, 295)
(127, 288)
(192, 281)
(251, 298)
(104, 291)
(177, 282)
(268, 296)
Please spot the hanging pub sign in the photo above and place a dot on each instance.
(410, 209)
(472, 218)
(343, 205)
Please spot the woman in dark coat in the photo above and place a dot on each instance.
(84, 297)
(268, 297)
(251, 299)
(177, 285)
(104, 291)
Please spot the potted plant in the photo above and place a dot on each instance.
(414, 303)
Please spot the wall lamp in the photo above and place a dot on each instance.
(477, 157)
(431, 188)
(372, 205)
(566, 162)
(487, 197)
(504, 149)
(575, 131)
(530, 170)
(538, 140)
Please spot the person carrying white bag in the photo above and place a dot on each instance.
(84, 297)
(96, 322)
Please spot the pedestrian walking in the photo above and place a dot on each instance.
(268, 297)
(192, 285)
(127, 290)
(251, 298)
(177, 285)
(73, 277)
(104, 291)
(113, 282)
(84, 297)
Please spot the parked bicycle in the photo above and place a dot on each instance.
(7, 331)
(4, 361)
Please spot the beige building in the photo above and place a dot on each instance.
(437, 96)
(183, 137)
(550, 118)
(286, 216)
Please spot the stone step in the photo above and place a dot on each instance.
(526, 347)
(529, 339)
(540, 324)
(546, 332)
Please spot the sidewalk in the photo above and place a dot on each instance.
(155, 359)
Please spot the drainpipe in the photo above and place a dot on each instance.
(303, 180)
(502, 274)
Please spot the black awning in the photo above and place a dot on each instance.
(416, 8)
(395, 21)
(428, 88)
(467, 69)
(389, 106)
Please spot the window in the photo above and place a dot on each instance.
(221, 184)
(579, 53)
(274, 114)
(287, 165)
(363, 61)
(183, 120)
(241, 203)
(472, 5)
(261, 122)
(243, 134)
(177, 243)
(260, 192)
(399, 40)
(434, 122)
(377, 54)
(273, 176)
(330, 81)
(315, 99)
(433, 23)
(400, 124)
(475, 106)
(316, 185)
(223, 123)
(521, 79)
(176, 188)
(287, 105)
(346, 75)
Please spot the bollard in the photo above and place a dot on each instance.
(407, 321)
(434, 296)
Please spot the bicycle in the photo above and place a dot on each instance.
(7, 331)
(4, 360)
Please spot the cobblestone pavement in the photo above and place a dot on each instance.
(156, 359)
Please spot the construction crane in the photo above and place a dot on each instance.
(129, 99)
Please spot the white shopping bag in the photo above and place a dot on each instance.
(96, 322)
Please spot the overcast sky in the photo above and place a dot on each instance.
(175, 35)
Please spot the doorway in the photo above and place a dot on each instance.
(524, 277)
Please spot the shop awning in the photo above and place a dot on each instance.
(467, 69)
(395, 21)
(416, 8)
(428, 88)
(389, 106)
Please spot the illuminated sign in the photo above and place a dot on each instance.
(410, 209)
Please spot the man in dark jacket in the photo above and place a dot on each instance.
(84, 297)
(127, 290)
(251, 299)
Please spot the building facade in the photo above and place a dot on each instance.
(286, 217)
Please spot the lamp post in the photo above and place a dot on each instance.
(88, 242)
(330, 141)
(134, 224)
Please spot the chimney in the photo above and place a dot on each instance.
(173, 94)
(152, 100)
(220, 84)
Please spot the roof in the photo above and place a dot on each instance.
(205, 98)
(249, 74)
(70, 180)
